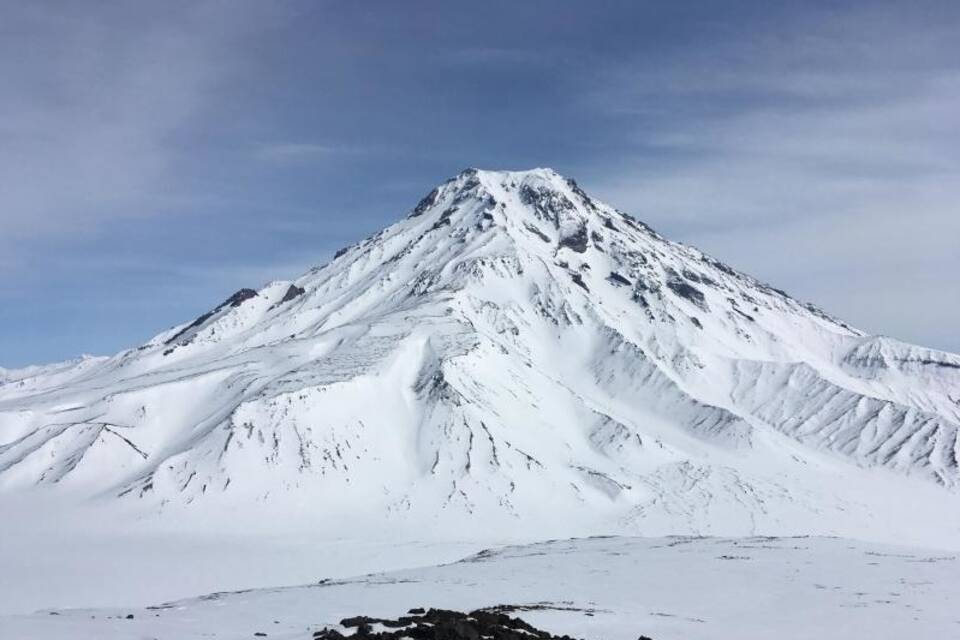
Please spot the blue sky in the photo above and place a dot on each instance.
(155, 157)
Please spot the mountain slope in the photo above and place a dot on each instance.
(513, 349)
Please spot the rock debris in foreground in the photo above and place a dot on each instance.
(442, 624)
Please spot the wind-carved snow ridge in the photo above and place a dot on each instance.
(512, 349)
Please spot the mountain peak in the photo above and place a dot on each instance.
(487, 182)
(478, 196)
(506, 175)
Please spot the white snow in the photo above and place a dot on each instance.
(613, 588)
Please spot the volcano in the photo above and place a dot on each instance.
(512, 352)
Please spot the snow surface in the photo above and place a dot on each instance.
(614, 588)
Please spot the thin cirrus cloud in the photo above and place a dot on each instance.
(301, 151)
(88, 131)
(827, 167)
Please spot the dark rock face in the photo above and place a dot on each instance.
(693, 276)
(547, 204)
(441, 624)
(235, 300)
(576, 241)
(934, 363)
(686, 290)
(540, 234)
(578, 280)
(716, 264)
(444, 219)
(239, 298)
(587, 202)
(428, 201)
(618, 279)
(293, 291)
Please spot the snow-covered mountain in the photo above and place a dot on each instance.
(513, 350)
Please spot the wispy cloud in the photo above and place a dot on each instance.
(296, 151)
(826, 165)
(499, 56)
(207, 145)
(92, 111)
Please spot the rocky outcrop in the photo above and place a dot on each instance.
(442, 624)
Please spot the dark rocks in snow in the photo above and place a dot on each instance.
(597, 239)
(820, 313)
(693, 276)
(644, 285)
(235, 300)
(293, 291)
(239, 298)
(618, 279)
(442, 624)
(578, 280)
(687, 291)
(630, 220)
(933, 363)
(547, 203)
(428, 201)
(716, 264)
(779, 292)
(444, 219)
(637, 225)
(580, 193)
(540, 234)
(637, 257)
(608, 223)
(341, 252)
(435, 386)
(576, 241)
(485, 221)
(469, 188)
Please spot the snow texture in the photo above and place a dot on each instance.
(613, 588)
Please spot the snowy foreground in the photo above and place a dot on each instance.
(614, 588)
